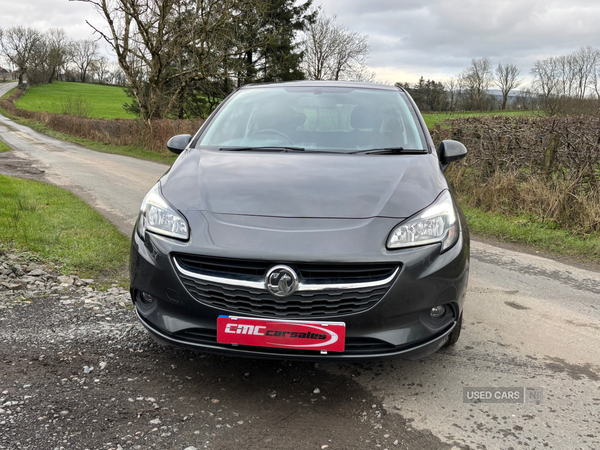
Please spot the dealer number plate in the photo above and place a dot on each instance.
(299, 335)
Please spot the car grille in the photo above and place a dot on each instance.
(308, 271)
(316, 303)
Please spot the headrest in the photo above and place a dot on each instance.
(365, 118)
(280, 118)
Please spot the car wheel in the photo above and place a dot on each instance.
(453, 338)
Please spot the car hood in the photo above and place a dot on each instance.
(303, 185)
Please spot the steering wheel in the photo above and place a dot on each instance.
(272, 131)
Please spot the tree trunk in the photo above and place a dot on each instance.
(250, 72)
(51, 77)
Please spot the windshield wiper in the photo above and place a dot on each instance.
(263, 149)
(389, 151)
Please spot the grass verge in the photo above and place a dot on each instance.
(9, 93)
(4, 147)
(432, 119)
(61, 228)
(533, 233)
(126, 150)
(106, 102)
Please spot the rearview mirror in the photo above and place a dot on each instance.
(178, 143)
(450, 151)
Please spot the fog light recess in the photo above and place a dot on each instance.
(145, 303)
(437, 312)
(146, 299)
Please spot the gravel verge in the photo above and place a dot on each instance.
(77, 371)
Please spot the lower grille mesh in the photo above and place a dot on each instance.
(359, 346)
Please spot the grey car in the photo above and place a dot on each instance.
(305, 220)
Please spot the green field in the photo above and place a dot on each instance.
(432, 119)
(103, 101)
(60, 227)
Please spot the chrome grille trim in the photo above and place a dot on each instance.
(258, 283)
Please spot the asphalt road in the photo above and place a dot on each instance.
(530, 322)
(114, 185)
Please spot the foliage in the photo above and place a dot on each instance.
(169, 48)
(268, 33)
(428, 95)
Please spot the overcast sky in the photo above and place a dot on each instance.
(408, 38)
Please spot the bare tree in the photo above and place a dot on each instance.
(1, 52)
(39, 70)
(548, 82)
(585, 61)
(506, 78)
(59, 48)
(596, 81)
(333, 52)
(453, 91)
(116, 74)
(18, 45)
(563, 82)
(477, 79)
(572, 74)
(100, 68)
(164, 45)
(84, 53)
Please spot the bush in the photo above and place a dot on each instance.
(548, 167)
(76, 107)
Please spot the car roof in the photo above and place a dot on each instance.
(340, 84)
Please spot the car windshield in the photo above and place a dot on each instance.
(315, 118)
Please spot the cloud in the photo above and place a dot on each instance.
(438, 38)
(45, 14)
(409, 38)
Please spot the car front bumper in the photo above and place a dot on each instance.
(397, 326)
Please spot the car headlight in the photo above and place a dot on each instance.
(157, 216)
(436, 223)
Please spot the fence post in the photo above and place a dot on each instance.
(551, 153)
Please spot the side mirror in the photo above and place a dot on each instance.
(450, 151)
(178, 143)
